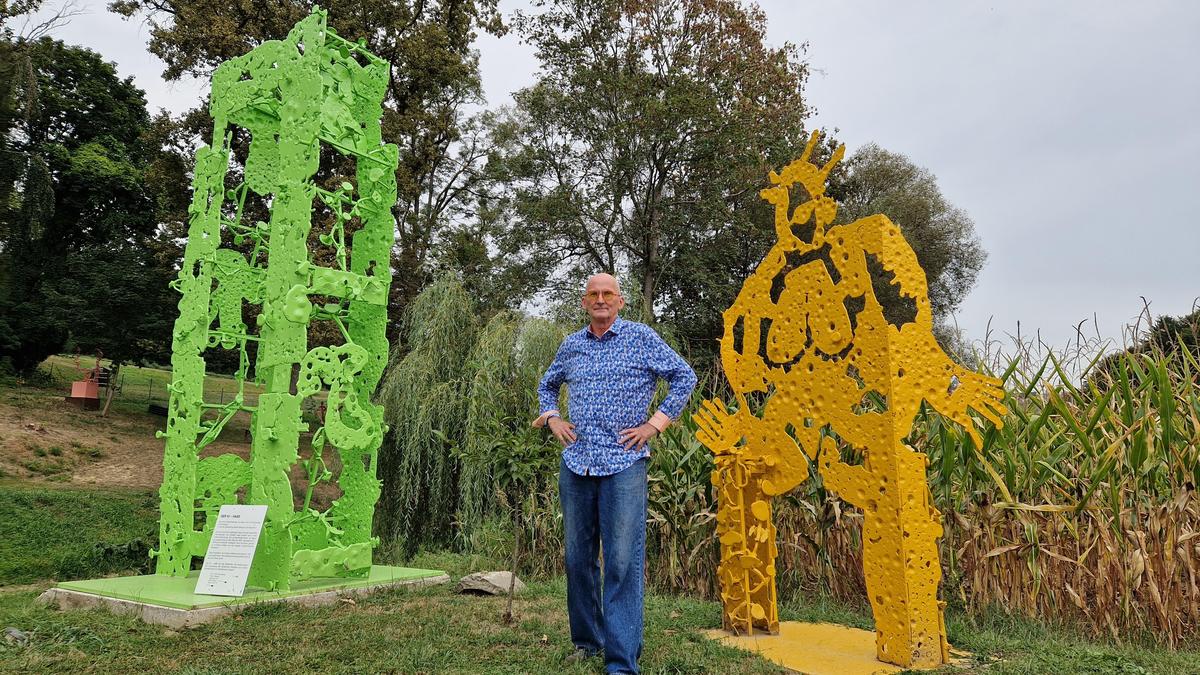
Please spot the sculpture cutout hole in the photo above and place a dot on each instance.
(764, 334)
(872, 401)
(798, 195)
(806, 231)
(832, 442)
(790, 430)
(854, 305)
(853, 373)
(360, 58)
(899, 308)
(757, 400)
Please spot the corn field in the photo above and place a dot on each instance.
(1082, 508)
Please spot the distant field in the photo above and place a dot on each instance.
(143, 384)
(46, 439)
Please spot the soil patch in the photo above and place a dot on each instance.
(43, 438)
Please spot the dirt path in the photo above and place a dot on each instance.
(45, 439)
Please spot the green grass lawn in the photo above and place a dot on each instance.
(48, 532)
(70, 534)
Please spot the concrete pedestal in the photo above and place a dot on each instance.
(172, 602)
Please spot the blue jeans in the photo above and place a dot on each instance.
(608, 511)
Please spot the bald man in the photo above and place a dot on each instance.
(611, 368)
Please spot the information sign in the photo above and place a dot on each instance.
(231, 551)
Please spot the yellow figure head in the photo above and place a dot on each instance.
(817, 205)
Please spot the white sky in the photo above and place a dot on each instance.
(1069, 131)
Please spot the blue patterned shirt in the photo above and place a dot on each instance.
(610, 380)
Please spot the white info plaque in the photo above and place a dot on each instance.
(227, 562)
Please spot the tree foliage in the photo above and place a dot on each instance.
(79, 213)
(1170, 346)
(459, 402)
(424, 395)
(641, 146)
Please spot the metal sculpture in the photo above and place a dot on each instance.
(296, 96)
(821, 368)
(85, 393)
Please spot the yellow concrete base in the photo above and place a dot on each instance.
(814, 648)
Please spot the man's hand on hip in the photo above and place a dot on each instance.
(637, 437)
(563, 430)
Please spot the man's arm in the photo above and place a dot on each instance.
(666, 364)
(548, 388)
(681, 380)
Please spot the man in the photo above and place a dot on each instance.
(611, 368)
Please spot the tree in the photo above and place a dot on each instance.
(459, 403)
(79, 227)
(943, 236)
(642, 145)
(1174, 335)
(434, 79)
(1172, 344)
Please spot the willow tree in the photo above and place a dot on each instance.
(424, 395)
(505, 461)
(459, 404)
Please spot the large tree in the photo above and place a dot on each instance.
(645, 138)
(434, 81)
(81, 260)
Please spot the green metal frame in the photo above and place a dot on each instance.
(292, 96)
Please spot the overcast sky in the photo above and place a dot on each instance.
(1069, 131)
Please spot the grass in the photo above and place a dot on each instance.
(50, 533)
(1008, 645)
(428, 630)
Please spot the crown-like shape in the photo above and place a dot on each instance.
(805, 172)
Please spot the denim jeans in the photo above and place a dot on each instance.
(608, 511)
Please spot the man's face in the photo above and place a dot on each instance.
(602, 300)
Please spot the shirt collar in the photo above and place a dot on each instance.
(615, 329)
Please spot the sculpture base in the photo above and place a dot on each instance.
(814, 648)
(85, 402)
(172, 602)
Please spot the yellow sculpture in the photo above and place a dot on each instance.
(816, 361)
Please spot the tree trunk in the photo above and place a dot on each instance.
(512, 580)
(650, 277)
(112, 381)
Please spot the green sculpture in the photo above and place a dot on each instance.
(294, 96)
